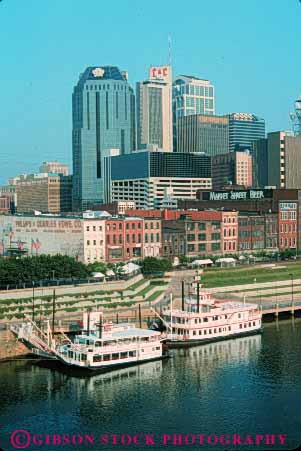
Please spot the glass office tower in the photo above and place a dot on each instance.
(103, 105)
(244, 129)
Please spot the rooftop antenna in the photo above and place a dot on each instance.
(296, 117)
(169, 50)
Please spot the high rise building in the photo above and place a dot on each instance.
(148, 178)
(103, 118)
(54, 167)
(203, 133)
(192, 95)
(260, 163)
(154, 109)
(234, 168)
(284, 163)
(244, 128)
(45, 193)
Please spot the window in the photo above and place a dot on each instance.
(88, 242)
(94, 228)
(191, 237)
(115, 356)
(123, 355)
(94, 242)
(100, 228)
(202, 236)
(88, 228)
(190, 247)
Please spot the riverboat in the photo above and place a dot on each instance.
(206, 319)
(99, 347)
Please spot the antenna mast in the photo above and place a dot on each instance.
(169, 50)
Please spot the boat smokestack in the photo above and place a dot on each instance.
(183, 295)
(88, 324)
(198, 297)
(100, 327)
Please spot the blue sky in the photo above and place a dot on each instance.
(250, 50)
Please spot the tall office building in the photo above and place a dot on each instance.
(260, 163)
(103, 118)
(54, 167)
(154, 109)
(203, 133)
(244, 129)
(284, 163)
(234, 168)
(192, 95)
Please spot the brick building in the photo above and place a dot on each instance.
(152, 237)
(124, 239)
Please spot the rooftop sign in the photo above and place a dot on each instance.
(252, 194)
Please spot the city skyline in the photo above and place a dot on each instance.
(40, 70)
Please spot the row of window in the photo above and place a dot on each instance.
(103, 87)
(229, 220)
(229, 232)
(114, 356)
(230, 246)
(202, 247)
(115, 239)
(127, 226)
(288, 228)
(288, 215)
(288, 242)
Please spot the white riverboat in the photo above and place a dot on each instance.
(207, 319)
(100, 346)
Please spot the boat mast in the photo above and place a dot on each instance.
(171, 315)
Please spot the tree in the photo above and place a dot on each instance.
(152, 265)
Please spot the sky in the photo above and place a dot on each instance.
(250, 51)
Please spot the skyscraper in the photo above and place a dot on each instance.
(284, 164)
(192, 95)
(244, 128)
(103, 106)
(154, 109)
(203, 133)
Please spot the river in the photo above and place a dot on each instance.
(237, 390)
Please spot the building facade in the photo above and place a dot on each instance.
(152, 237)
(103, 107)
(203, 134)
(124, 239)
(192, 95)
(94, 233)
(154, 109)
(195, 234)
(260, 163)
(35, 235)
(44, 193)
(147, 178)
(276, 211)
(234, 168)
(244, 129)
(54, 167)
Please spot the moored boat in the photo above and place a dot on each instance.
(206, 319)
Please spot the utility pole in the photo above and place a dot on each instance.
(33, 306)
(53, 312)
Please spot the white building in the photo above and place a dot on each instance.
(154, 109)
(151, 192)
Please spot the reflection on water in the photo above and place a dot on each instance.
(244, 385)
